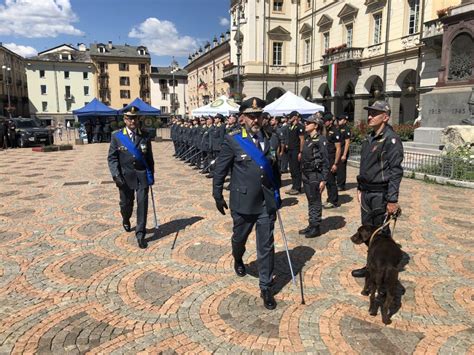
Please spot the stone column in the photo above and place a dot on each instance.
(360, 101)
(393, 99)
(336, 105)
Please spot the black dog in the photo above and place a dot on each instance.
(383, 257)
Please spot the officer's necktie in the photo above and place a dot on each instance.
(133, 136)
(256, 141)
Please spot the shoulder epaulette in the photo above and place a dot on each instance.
(234, 132)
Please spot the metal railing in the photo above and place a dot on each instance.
(454, 168)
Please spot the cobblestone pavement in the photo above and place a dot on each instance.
(71, 280)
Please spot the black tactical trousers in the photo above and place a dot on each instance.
(311, 189)
(284, 162)
(265, 223)
(373, 207)
(127, 196)
(333, 195)
(295, 169)
(341, 174)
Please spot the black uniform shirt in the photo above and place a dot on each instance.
(314, 157)
(294, 133)
(381, 162)
(345, 134)
(333, 137)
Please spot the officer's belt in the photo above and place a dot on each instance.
(363, 186)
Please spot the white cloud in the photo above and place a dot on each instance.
(37, 19)
(224, 21)
(24, 51)
(162, 38)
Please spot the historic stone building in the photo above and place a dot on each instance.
(292, 44)
(169, 90)
(205, 72)
(13, 84)
(123, 73)
(60, 80)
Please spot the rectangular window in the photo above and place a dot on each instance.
(164, 109)
(414, 16)
(164, 96)
(278, 5)
(68, 105)
(66, 75)
(307, 50)
(123, 66)
(277, 53)
(124, 81)
(86, 90)
(41, 73)
(124, 94)
(68, 91)
(326, 40)
(44, 106)
(377, 28)
(308, 3)
(85, 75)
(86, 103)
(64, 56)
(43, 90)
(349, 35)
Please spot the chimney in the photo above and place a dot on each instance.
(110, 45)
(82, 47)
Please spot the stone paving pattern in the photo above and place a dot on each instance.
(72, 281)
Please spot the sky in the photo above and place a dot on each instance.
(167, 27)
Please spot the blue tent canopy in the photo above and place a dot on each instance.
(95, 108)
(143, 107)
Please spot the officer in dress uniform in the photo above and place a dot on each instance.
(130, 174)
(315, 169)
(231, 124)
(252, 200)
(334, 151)
(380, 172)
(217, 138)
(345, 131)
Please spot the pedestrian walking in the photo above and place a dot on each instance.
(131, 164)
(254, 181)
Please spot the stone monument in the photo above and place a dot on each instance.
(450, 102)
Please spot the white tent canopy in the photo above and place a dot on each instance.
(222, 105)
(290, 102)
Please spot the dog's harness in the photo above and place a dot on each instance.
(387, 221)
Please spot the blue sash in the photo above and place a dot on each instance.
(262, 161)
(137, 154)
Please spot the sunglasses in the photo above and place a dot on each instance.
(254, 116)
(374, 113)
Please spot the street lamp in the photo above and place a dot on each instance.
(238, 39)
(7, 70)
(175, 68)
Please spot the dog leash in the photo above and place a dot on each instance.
(387, 221)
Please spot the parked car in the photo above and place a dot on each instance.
(29, 131)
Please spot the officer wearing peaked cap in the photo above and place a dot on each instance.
(130, 173)
(252, 192)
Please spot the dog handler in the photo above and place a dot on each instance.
(380, 171)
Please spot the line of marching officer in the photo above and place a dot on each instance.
(198, 140)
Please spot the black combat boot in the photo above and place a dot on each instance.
(313, 232)
(304, 230)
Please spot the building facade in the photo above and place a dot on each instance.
(60, 80)
(296, 45)
(168, 90)
(205, 73)
(13, 84)
(123, 73)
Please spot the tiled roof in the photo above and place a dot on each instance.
(77, 56)
(118, 51)
(167, 71)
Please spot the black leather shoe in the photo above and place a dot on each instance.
(239, 268)
(304, 230)
(126, 225)
(268, 299)
(142, 243)
(362, 272)
(313, 232)
(210, 176)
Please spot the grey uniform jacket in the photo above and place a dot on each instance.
(249, 185)
(122, 163)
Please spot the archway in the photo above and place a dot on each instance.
(274, 94)
(460, 61)
(348, 103)
(374, 86)
(325, 99)
(306, 93)
(407, 83)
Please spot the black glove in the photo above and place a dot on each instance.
(119, 182)
(221, 205)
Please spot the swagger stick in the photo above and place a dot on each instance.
(286, 247)
(157, 225)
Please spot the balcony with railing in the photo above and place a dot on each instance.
(433, 33)
(230, 72)
(342, 55)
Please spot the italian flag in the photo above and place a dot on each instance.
(332, 77)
